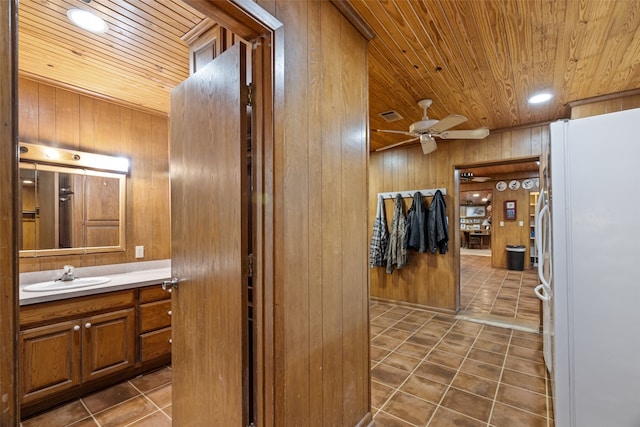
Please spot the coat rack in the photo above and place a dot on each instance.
(408, 194)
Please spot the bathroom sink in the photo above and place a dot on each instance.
(55, 285)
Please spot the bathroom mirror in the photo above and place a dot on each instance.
(70, 210)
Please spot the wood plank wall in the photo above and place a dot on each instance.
(431, 280)
(60, 117)
(9, 410)
(320, 185)
(608, 104)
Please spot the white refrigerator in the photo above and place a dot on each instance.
(594, 283)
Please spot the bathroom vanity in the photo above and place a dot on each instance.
(76, 341)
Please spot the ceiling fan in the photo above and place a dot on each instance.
(427, 129)
(468, 176)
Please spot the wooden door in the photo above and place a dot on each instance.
(108, 343)
(209, 232)
(50, 357)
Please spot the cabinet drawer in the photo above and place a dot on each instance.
(32, 315)
(155, 344)
(153, 293)
(155, 315)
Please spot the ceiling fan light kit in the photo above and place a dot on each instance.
(426, 130)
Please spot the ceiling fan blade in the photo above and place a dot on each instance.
(428, 144)
(398, 143)
(465, 134)
(401, 132)
(448, 122)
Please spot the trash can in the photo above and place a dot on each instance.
(515, 257)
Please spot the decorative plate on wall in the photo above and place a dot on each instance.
(514, 184)
(527, 184)
(501, 186)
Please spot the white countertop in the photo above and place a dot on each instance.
(123, 276)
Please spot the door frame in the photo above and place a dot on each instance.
(252, 23)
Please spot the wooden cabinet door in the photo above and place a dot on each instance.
(108, 343)
(50, 357)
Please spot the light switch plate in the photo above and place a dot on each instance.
(501, 223)
(139, 251)
(521, 223)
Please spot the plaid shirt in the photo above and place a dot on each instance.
(380, 238)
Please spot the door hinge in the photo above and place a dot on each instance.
(249, 263)
(250, 95)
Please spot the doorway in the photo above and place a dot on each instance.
(496, 204)
(250, 24)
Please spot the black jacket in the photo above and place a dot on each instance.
(415, 236)
(437, 225)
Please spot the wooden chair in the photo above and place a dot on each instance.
(475, 241)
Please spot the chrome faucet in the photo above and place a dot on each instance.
(67, 274)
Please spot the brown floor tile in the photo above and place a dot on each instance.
(460, 338)
(525, 353)
(424, 388)
(379, 394)
(424, 340)
(506, 416)
(453, 347)
(494, 337)
(447, 418)
(476, 385)
(467, 328)
(59, 417)
(87, 422)
(407, 326)
(468, 404)
(111, 396)
(525, 381)
(410, 408)
(413, 350)
(388, 375)
(490, 346)
(385, 420)
(161, 396)
(375, 330)
(385, 342)
(125, 413)
(484, 370)
(486, 356)
(378, 353)
(397, 334)
(522, 399)
(435, 372)
(157, 419)
(392, 315)
(152, 380)
(168, 410)
(446, 359)
(526, 366)
(400, 361)
(384, 322)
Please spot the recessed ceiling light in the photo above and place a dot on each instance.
(87, 20)
(476, 195)
(540, 97)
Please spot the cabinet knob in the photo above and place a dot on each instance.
(76, 328)
(169, 313)
(87, 325)
(170, 341)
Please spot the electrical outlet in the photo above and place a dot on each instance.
(139, 251)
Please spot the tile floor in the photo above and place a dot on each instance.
(435, 370)
(427, 369)
(144, 401)
(497, 291)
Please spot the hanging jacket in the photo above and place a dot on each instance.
(379, 238)
(396, 253)
(438, 225)
(415, 236)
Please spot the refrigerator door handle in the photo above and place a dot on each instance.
(541, 292)
(540, 244)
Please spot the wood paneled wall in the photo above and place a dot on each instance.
(606, 104)
(9, 410)
(320, 204)
(58, 117)
(431, 280)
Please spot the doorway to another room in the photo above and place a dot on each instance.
(496, 237)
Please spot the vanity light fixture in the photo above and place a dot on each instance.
(87, 20)
(540, 97)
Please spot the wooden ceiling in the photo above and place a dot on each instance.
(481, 59)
